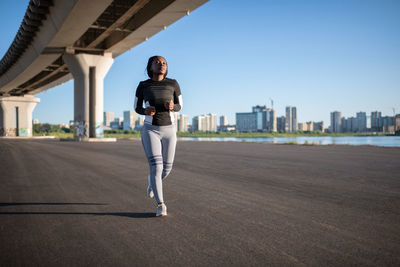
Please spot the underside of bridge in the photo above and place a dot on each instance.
(52, 35)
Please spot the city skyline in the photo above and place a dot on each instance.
(230, 122)
(336, 120)
(317, 56)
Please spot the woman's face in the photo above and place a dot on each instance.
(159, 66)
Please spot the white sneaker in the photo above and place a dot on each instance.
(150, 192)
(161, 210)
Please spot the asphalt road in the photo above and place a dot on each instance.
(229, 204)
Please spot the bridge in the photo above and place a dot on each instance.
(76, 39)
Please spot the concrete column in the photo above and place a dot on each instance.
(89, 72)
(16, 115)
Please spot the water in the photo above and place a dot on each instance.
(386, 141)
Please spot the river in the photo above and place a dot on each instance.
(386, 141)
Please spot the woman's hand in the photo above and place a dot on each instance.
(150, 111)
(169, 105)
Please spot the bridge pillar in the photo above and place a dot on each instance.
(16, 115)
(88, 72)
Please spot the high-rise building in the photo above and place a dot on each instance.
(336, 122)
(205, 123)
(261, 119)
(196, 123)
(280, 124)
(291, 119)
(272, 127)
(354, 124)
(376, 121)
(388, 124)
(182, 123)
(345, 124)
(223, 121)
(130, 118)
(246, 121)
(319, 126)
(213, 122)
(108, 118)
(349, 125)
(362, 121)
(397, 122)
(266, 120)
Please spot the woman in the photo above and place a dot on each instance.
(162, 97)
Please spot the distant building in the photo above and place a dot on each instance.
(311, 126)
(354, 124)
(272, 126)
(246, 122)
(362, 121)
(397, 122)
(117, 123)
(108, 118)
(306, 127)
(301, 126)
(319, 126)
(223, 121)
(376, 121)
(345, 125)
(261, 119)
(205, 123)
(291, 119)
(35, 121)
(280, 124)
(388, 124)
(349, 125)
(336, 122)
(213, 122)
(197, 123)
(130, 118)
(182, 123)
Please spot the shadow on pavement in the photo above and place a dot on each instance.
(2, 204)
(123, 214)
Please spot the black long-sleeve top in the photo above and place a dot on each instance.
(156, 93)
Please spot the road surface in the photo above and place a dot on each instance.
(229, 204)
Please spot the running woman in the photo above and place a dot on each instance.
(161, 97)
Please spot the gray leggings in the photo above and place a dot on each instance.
(159, 145)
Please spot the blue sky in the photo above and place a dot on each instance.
(317, 55)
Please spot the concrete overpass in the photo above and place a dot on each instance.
(76, 39)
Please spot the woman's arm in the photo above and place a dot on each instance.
(139, 100)
(178, 104)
